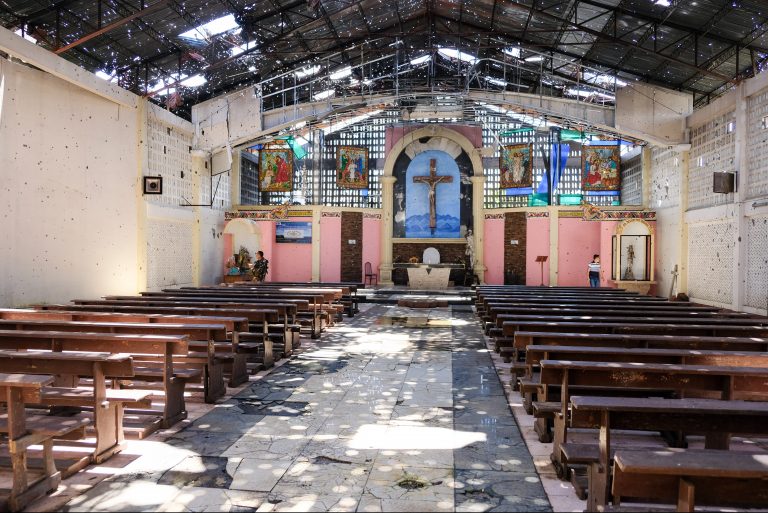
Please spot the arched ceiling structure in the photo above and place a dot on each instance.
(182, 52)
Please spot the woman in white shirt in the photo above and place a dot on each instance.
(594, 272)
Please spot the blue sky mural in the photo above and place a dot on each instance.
(446, 198)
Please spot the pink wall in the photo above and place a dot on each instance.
(330, 248)
(578, 241)
(493, 251)
(537, 235)
(371, 244)
(394, 134)
(607, 229)
(291, 262)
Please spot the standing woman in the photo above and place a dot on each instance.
(260, 267)
(594, 272)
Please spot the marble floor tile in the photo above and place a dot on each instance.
(136, 495)
(214, 500)
(268, 447)
(313, 502)
(258, 475)
(410, 484)
(322, 476)
(499, 491)
(372, 504)
(201, 471)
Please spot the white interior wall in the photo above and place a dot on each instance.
(73, 150)
(69, 194)
(723, 238)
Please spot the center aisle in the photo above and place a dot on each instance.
(394, 410)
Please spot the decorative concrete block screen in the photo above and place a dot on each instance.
(666, 173)
(169, 157)
(757, 146)
(712, 150)
(169, 253)
(632, 179)
(710, 261)
(756, 274)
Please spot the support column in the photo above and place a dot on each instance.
(554, 225)
(742, 169)
(387, 202)
(647, 175)
(316, 235)
(478, 224)
(141, 222)
(685, 161)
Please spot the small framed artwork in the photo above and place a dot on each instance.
(153, 185)
(276, 170)
(516, 165)
(600, 168)
(352, 167)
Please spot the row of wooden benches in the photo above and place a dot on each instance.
(641, 368)
(109, 355)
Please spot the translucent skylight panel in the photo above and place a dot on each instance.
(453, 53)
(237, 50)
(207, 30)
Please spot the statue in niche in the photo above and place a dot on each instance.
(470, 251)
(628, 272)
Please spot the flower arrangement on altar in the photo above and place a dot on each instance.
(413, 260)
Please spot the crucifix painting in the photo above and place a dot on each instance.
(432, 181)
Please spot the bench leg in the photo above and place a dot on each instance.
(239, 372)
(542, 428)
(108, 421)
(214, 382)
(175, 407)
(685, 495)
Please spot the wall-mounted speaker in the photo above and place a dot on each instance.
(723, 183)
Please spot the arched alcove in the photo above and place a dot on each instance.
(433, 139)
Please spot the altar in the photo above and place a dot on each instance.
(429, 276)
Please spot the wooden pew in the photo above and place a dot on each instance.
(656, 328)
(23, 432)
(145, 350)
(232, 356)
(545, 410)
(298, 307)
(107, 404)
(689, 478)
(715, 419)
(213, 372)
(321, 311)
(726, 382)
(285, 333)
(352, 286)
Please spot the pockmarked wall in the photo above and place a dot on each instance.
(69, 190)
(718, 240)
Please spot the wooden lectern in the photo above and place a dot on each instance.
(541, 259)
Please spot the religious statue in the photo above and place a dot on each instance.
(470, 251)
(629, 274)
(432, 181)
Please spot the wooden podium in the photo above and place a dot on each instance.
(541, 259)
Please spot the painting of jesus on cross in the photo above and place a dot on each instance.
(516, 165)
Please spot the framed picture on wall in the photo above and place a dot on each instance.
(293, 232)
(276, 170)
(600, 168)
(153, 185)
(352, 167)
(516, 166)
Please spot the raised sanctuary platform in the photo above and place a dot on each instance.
(454, 296)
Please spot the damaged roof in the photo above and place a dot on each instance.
(183, 52)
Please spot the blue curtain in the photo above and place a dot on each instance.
(563, 151)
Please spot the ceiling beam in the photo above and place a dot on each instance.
(112, 26)
(665, 22)
(602, 35)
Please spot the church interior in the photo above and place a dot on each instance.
(354, 255)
